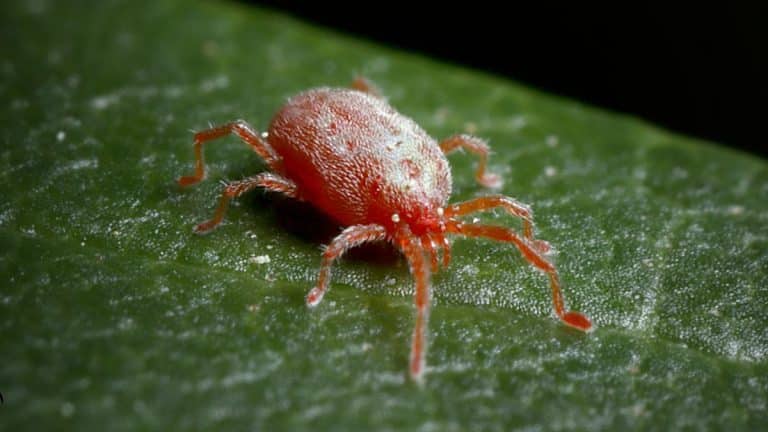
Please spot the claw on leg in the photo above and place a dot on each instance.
(315, 296)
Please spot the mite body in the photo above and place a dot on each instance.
(379, 174)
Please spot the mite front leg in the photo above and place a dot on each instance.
(510, 205)
(351, 237)
(246, 133)
(430, 247)
(573, 319)
(446, 248)
(269, 181)
(478, 147)
(420, 270)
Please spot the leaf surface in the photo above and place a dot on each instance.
(113, 314)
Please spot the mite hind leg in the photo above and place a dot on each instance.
(478, 147)
(269, 181)
(243, 130)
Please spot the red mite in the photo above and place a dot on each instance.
(379, 174)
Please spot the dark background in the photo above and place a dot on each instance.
(701, 71)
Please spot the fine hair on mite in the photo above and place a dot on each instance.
(377, 173)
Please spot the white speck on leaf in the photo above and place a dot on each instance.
(67, 409)
(82, 163)
(104, 101)
(125, 324)
(517, 122)
(215, 83)
(261, 259)
(552, 141)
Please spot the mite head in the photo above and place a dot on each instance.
(423, 221)
(423, 233)
(419, 209)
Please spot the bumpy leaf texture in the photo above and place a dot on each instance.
(113, 314)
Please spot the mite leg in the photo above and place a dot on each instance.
(352, 236)
(512, 206)
(269, 181)
(573, 319)
(366, 86)
(431, 244)
(420, 271)
(246, 133)
(446, 249)
(430, 247)
(479, 148)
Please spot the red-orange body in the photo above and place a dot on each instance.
(360, 161)
(379, 174)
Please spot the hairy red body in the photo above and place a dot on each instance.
(357, 159)
(374, 170)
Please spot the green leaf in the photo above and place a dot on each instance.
(114, 315)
